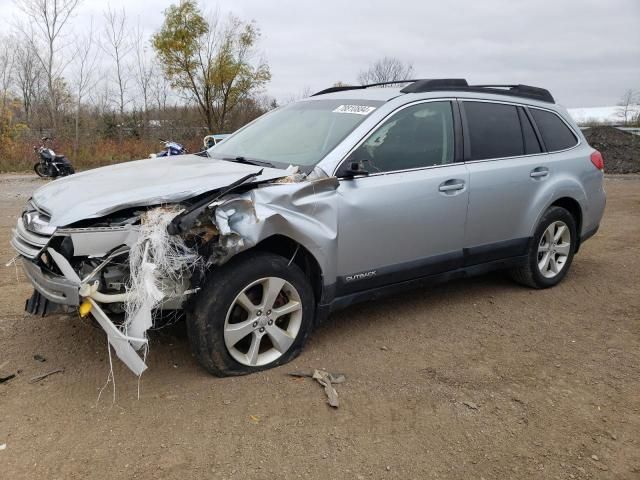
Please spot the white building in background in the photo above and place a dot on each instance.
(607, 115)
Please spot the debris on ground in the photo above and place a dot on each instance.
(335, 377)
(254, 418)
(621, 150)
(4, 375)
(326, 379)
(45, 375)
(3, 446)
(39, 358)
(471, 405)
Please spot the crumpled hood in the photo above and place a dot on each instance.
(153, 181)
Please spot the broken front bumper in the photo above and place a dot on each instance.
(63, 290)
(54, 288)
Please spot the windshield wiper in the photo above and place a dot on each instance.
(240, 159)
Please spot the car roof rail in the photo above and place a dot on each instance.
(458, 84)
(343, 88)
(434, 84)
(525, 91)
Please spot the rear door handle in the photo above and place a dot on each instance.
(539, 172)
(451, 186)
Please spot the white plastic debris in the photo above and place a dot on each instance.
(157, 262)
(293, 175)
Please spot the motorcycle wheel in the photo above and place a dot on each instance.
(42, 170)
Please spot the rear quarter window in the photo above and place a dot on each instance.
(555, 133)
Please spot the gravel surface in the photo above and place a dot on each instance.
(473, 379)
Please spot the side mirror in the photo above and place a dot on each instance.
(352, 169)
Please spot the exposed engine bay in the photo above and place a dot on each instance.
(129, 268)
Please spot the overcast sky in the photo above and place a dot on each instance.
(587, 52)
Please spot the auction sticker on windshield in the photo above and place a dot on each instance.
(357, 109)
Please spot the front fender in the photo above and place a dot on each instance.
(305, 212)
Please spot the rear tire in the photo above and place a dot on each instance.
(233, 323)
(550, 250)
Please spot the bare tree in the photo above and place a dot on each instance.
(46, 22)
(304, 93)
(118, 47)
(160, 89)
(7, 62)
(627, 106)
(85, 59)
(28, 76)
(143, 71)
(387, 69)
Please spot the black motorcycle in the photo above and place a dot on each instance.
(50, 164)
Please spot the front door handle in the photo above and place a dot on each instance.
(539, 172)
(451, 186)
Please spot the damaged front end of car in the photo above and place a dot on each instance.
(129, 266)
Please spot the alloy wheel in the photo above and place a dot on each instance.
(554, 249)
(263, 321)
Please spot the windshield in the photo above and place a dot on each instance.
(301, 133)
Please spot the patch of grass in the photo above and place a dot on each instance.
(20, 157)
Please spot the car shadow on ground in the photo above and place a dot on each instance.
(414, 302)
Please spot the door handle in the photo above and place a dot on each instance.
(448, 186)
(539, 172)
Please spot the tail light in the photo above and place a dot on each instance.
(597, 160)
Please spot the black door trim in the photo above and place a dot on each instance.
(439, 264)
(495, 251)
(390, 274)
(346, 300)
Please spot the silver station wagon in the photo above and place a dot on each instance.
(351, 194)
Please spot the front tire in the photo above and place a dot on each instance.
(253, 313)
(42, 170)
(550, 251)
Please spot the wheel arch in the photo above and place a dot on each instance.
(297, 253)
(563, 190)
(573, 206)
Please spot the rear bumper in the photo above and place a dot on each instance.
(589, 233)
(54, 288)
(586, 236)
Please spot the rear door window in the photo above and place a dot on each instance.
(494, 130)
(555, 133)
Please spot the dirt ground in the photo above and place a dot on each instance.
(474, 379)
